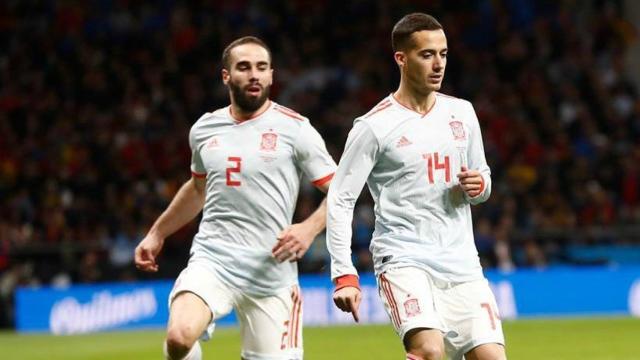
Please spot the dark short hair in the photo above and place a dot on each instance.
(402, 30)
(226, 54)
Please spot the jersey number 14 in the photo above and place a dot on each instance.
(433, 164)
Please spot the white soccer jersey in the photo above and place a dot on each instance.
(410, 162)
(253, 171)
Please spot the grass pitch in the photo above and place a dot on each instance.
(556, 339)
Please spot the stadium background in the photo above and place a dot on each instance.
(97, 98)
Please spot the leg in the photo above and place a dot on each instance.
(271, 326)
(424, 344)
(408, 297)
(470, 310)
(486, 352)
(188, 319)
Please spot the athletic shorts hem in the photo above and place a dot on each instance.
(292, 354)
(406, 327)
(458, 355)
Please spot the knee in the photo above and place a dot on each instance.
(180, 339)
(427, 351)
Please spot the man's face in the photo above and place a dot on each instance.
(249, 76)
(424, 63)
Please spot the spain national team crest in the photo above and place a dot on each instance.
(269, 141)
(412, 307)
(458, 130)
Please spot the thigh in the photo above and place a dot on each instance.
(201, 283)
(424, 341)
(407, 294)
(271, 326)
(471, 313)
(486, 352)
(189, 316)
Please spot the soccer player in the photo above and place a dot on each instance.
(247, 162)
(421, 154)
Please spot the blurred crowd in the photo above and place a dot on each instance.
(97, 98)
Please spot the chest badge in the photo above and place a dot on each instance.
(458, 130)
(269, 141)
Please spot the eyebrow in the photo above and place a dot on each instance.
(247, 62)
(432, 51)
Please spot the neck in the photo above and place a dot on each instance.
(414, 100)
(240, 114)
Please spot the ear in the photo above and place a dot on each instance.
(225, 76)
(400, 58)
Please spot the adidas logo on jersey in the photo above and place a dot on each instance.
(403, 142)
(213, 143)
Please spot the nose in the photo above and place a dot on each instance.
(438, 62)
(252, 74)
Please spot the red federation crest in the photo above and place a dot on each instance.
(269, 142)
(458, 130)
(412, 307)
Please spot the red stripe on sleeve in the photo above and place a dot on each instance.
(323, 180)
(347, 280)
(199, 176)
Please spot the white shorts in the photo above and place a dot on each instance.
(270, 327)
(466, 313)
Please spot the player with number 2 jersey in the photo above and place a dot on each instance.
(247, 163)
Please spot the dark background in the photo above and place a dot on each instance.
(97, 98)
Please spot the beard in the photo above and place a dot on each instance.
(248, 104)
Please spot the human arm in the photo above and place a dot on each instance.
(312, 157)
(475, 175)
(357, 161)
(295, 240)
(185, 205)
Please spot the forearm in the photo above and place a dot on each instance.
(486, 189)
(355, 166)
(318, 220)
(185, 206)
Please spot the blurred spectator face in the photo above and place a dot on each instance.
(249, 76)
(423, 64)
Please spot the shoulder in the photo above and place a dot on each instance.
(207, 120)
(382, 118)
(287, 114)
(215, 116)
(381, 110)
(454, 102)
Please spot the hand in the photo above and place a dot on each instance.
(471, 181)
(348, 299)
(146, 253)
(293, 242)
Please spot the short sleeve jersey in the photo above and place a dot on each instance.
(253, 171)
(410, 162)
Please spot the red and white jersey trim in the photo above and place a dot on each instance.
(323, 180)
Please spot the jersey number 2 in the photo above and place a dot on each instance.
(237, 166)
